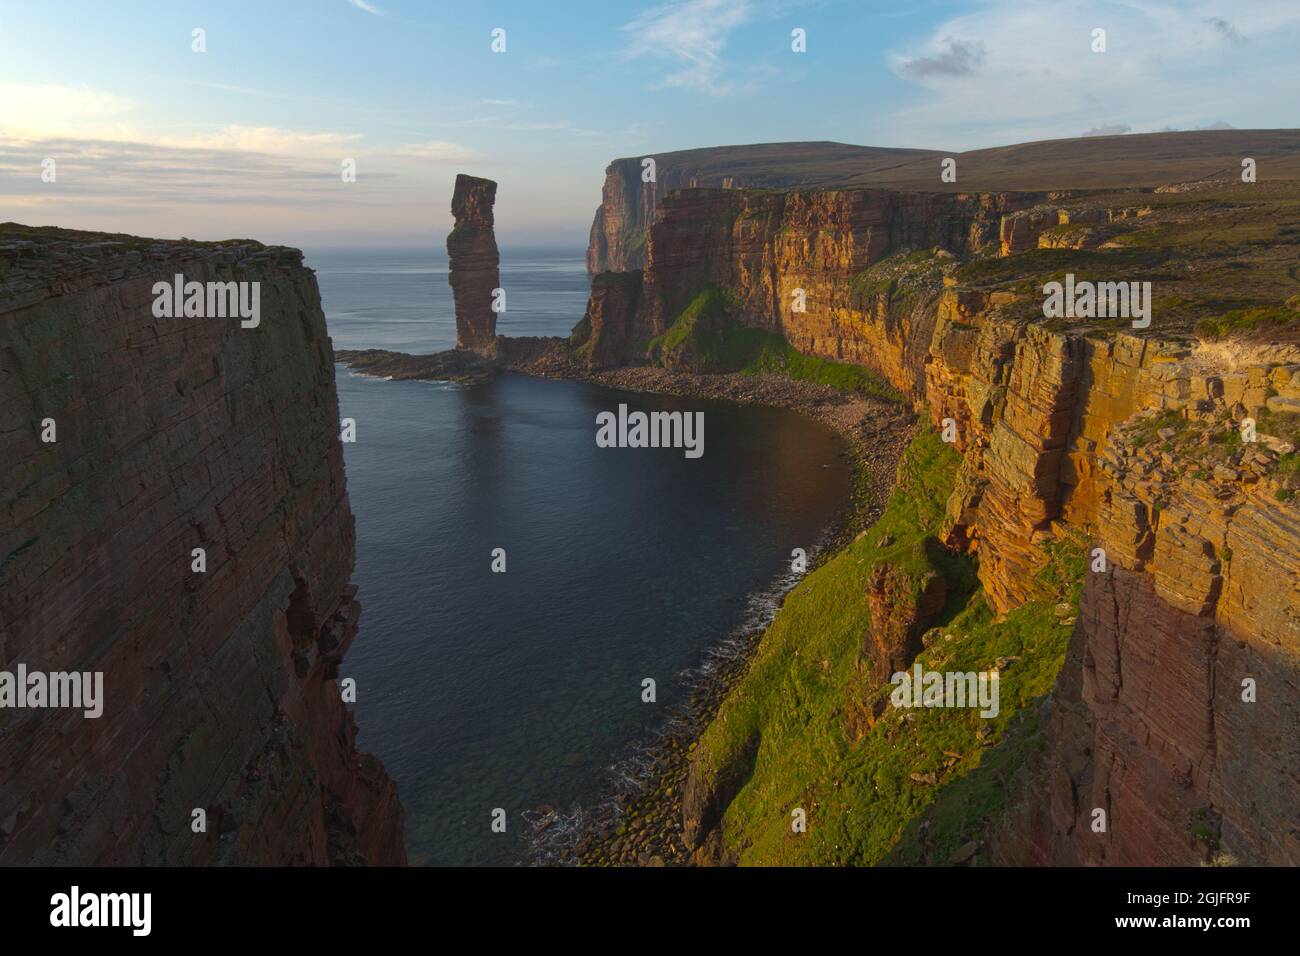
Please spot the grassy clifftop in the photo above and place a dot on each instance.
(704, 337)
(804, 728)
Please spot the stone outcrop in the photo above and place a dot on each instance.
(1147, 722)
(763, 246)
(1175, 713)
(611, 317)
(1034, 408)
(170, 435)
(473, 263)
(902, 607)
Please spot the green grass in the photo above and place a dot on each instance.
(1221, 263)
(976, 793)
(869, 283)
(792, 734)
(1283, 425)
(1037, 266)
(581, 333)
(705, 338)
(899, 278)
(1067, 230)
(1146, 431)
(1286, 427)
(1288, 469)
(1239, 321)
(773, 355)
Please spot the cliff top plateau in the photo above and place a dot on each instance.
(1087, 162)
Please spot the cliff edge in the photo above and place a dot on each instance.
(176, 520)
(1110, 522)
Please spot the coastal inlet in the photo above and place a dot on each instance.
(522, 690)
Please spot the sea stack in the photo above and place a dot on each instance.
(473, 261)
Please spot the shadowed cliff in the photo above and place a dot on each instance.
(130, 441)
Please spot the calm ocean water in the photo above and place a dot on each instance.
(523, 690)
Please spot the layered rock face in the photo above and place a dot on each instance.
(630, 198)
(901, 610)
(792, 261)
(626, 210)
(1147, 721)
(473, 263)
(611, 316)
(1034, 409)
(1176, 711)
(219, 684)
(630, 201)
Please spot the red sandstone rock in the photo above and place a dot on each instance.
(901, 610)
(1149, 720)
(762, 246)
(473, 263)
(630, 200)
(611, 315)
(1143, 705)
(1148, 724)
(220, 687)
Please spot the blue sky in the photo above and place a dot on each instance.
(247, 138)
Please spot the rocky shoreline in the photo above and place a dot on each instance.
(646, 828)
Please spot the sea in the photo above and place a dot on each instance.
(536, 608)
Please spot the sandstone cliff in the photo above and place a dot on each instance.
(1175, 714)
(473, 263)
(610, 323)
(1198, 535)
(629, 203)
(173, 434)
(801, 265)
(940, 294)
(630, 199)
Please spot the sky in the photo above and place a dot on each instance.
(248, 138)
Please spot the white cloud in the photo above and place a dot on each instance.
(121, 173)
(367, 7)
(438, 151)
(271, 140)
(27, 110)
(32, 113)
(87, 120)
(1010, 70)
(690, 35)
